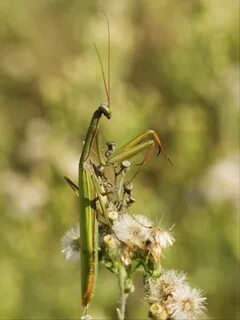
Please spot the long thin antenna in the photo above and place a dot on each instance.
(106, 83)
(109, 55)
(102, 71)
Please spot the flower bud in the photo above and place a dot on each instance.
(128, 187)
(130, 200)
(156, 309)
(113, 215)
(125, 164)
(109, 240)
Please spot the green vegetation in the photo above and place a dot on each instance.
(174, 70)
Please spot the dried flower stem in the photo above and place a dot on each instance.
(123, 298)
(122, 306)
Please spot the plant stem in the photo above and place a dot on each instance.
(122, 306)
(123, 299)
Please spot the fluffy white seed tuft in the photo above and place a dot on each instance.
(70, 244)
(158, 240)
(186, 303)
(130, 230)
(159, 289)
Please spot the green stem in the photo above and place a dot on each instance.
(123, 298)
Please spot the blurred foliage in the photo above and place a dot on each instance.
(175, 70)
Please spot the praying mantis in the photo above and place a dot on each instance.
(90, 191)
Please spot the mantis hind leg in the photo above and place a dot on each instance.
(100, 194)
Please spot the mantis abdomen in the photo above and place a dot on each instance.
(88, 231)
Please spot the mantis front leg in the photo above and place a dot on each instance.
(138, 145)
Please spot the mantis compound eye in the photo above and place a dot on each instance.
(104, 108)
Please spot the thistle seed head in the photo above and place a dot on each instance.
(186, 303)
(70, 244)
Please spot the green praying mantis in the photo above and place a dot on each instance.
(90, 191)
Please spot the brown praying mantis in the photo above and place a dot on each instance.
(90, 191)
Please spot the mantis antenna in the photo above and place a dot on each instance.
(106, 83)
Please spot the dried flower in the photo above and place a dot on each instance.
(144, 221)
(110, 241)
(186, 303)
(159, 239)
(130, 230)
(70, 244)
(159, 289)
(162, 237)
(126, 255)
(170, 280)
(156, 309)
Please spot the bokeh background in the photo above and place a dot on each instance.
(175, 70)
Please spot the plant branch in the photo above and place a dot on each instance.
(123, 299)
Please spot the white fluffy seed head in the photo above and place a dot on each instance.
(161, 288)
(158, 240)
(131, 231)
(162, 237)
(144, 221)
(70, 246)
(186, 303)
(170, 280)
(152, 290)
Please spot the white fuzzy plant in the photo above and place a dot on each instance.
(129, 242)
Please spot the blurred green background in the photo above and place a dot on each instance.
(174, 69)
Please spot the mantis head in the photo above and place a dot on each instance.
(105, 109)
